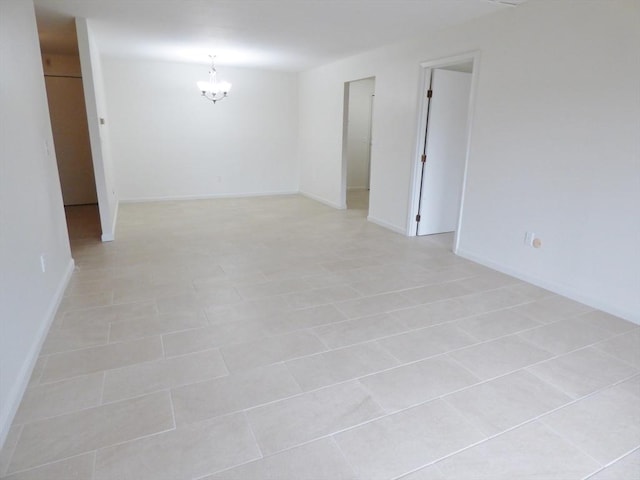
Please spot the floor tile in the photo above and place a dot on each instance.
(531, 451)
(153, 325)
(366, 306)
(335, 366)
(74, 468)
(108, 314)
(565, 335)
(9, 446)
(426, 342)
(239, 391)
(143, 378)
(38, 369)
(434, 293)
(416, 383)
(312, 415)
(189, 452)
(627, 467)
(552, 309)
(79, 432)
(428, 473)
(252, 309)
(319, 460)
(300, 298)
(81, 336)
(500, 356)
(607, 322)
(302, 318)
(272, 288)
(187, 302)
(624, 347)
(244, 356)
(59, 398)
(213, 336)
(606, 425)
(496, 324)
(435, 313)
(321, 296)
(583, 372)
(400, 443)
(632, 386)
(81, 302)
(507, 401)
(489, 281)
(90, 360)
(359, 330)
(483, 302)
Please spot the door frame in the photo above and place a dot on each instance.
(425, 77)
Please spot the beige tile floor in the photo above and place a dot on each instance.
(277, 338)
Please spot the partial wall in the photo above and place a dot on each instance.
(35, 259)
(168, 142)
(554, 144)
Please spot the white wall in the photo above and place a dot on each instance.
(32, 221)
(554, 142)
(169, 142)
(358, 148)
(98, 123)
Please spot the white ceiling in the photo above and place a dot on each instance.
(278, 34)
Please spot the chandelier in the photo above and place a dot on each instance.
(213, 89)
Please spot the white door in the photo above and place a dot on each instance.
(71, 139)
(445, 148)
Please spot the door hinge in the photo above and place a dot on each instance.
(429, 93)
(423, 158)
(417, 218)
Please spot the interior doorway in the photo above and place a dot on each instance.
(68, 115)
(358, 113)
(71, 139)
(443, 142)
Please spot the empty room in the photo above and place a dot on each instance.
(309, 240)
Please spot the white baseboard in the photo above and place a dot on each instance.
(207, 196)
(111, 236)
(387, 225)
(16, 392)
(323, 200)
(560, 289)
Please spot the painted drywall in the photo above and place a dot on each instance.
(98, 123)
(554, 144)
(32, 222)
(169, 142)
(358, 136)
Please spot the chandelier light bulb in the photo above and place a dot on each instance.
(213, 89)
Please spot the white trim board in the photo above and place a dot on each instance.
(172, 198)
(10, 408)
(558, 288)
(388, 226)
(110, 237)
(323, 200)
